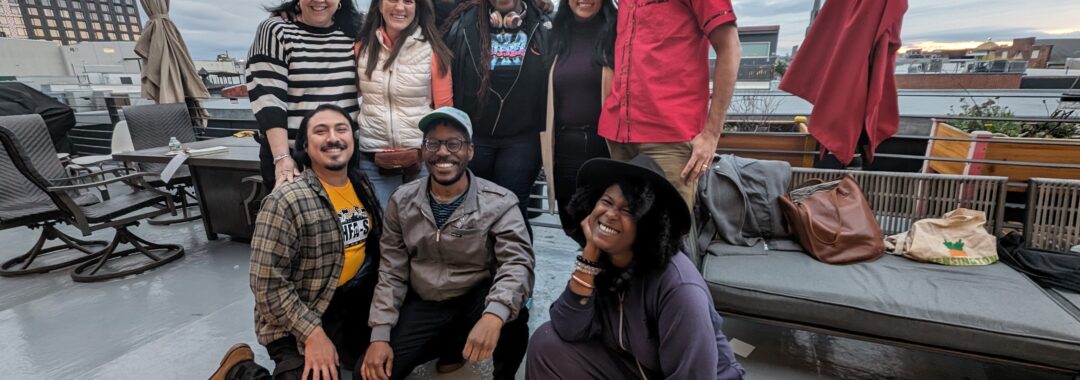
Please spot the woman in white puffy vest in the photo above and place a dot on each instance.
(403, 72)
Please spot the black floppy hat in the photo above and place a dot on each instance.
(604, 172)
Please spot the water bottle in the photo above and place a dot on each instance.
(174, 145)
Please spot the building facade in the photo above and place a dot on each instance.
(11, 20)
(73, 21)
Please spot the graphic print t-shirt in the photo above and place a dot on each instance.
(354, 227)
(508, 50)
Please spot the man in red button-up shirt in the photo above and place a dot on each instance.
(659, 103)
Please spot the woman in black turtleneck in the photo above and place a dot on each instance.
(583, 40)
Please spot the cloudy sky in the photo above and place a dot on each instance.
(211, 27)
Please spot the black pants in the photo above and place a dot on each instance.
(573, 146)
(510, 162)
(430, 329)
(345, 322)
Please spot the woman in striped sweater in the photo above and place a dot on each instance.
(296, 66)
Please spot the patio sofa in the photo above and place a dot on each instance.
(989, 312)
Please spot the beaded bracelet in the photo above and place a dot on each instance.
(581, 282)
(583, 260)
(587, 269)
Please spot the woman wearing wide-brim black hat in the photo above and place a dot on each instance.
(635, 306)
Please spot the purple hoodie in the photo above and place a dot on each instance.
(669, 324)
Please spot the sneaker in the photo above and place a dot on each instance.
(237, 354)
(444, 366)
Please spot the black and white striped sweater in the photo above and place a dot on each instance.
(293, 68)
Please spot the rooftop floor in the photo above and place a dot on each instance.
(176, 322)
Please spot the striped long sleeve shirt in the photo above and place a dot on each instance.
(293, 68)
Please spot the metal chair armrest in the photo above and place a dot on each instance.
(137, 177)
(101, 173)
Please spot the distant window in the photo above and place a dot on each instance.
(123, 28)
(65, 14)
(48, 13)
(76, 5)
(35, 22)
(70, 34)
(61, 3)
(67, 24)
(80, 16)
(47, 3)
(51, 23)
(94, 16)
(32, 11)
(112, 37)
(39, 33)
(755, 50)
(84, 35)
(1034, 54)
(133, 20)
(109, 27)
(125, 80)
(32, 2)
(91, 6)
(81, 24)
(54, 33)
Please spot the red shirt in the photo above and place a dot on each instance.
(660, 92)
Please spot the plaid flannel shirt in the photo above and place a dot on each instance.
(297, 256)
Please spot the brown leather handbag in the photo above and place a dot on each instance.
(833, 222)
(406, 160)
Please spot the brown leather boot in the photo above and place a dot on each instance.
(237, 354)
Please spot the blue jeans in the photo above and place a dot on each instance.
(386, 184)
(510, 162)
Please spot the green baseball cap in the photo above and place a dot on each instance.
(453, 115)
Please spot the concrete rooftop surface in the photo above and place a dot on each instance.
(176, 322)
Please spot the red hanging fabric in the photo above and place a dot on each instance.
(845, 69)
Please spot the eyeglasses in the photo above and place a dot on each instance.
(452, 145)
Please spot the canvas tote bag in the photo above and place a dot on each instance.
(958, 238)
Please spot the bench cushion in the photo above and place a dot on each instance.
(989, 310)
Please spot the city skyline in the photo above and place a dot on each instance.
(928, 24)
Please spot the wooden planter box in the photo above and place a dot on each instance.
(994, 154)
(797, 148)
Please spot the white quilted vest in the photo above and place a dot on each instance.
(394, 100)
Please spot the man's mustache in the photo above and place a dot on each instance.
(333, 145)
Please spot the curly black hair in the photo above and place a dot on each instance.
(658, 237)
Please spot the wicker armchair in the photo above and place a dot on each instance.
(1053, 214)
(24, 205)
(119, 213)
(150, 126)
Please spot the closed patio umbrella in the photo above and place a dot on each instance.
(168, 74)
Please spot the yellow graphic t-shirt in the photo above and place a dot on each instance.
(354, 227)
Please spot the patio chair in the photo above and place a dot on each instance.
(151, 126)
(24, 205)
(119, 213)
(1053, 214)
(121, 142)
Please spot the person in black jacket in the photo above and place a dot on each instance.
(501, 62)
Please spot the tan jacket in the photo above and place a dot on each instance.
(547, 148)
(485, 239)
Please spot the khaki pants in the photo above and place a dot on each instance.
(672, 158)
